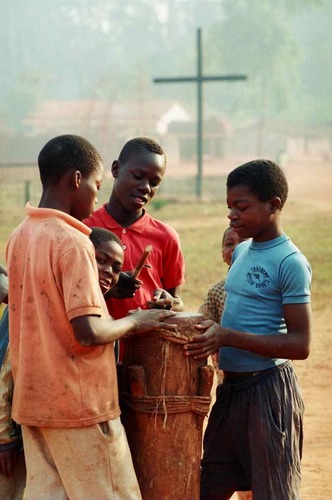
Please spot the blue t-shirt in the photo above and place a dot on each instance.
(263, 277)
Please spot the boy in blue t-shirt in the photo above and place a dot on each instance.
(254, 436)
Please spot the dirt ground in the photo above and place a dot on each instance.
(315, 373)
(311, 180)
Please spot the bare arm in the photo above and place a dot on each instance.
(93, 330)
(293, 345)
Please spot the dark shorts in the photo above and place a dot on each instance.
(254, 437)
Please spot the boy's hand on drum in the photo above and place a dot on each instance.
(161, 300)
(203, 345)
(151, 319)
(125, 288)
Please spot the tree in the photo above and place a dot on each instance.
(257, 38)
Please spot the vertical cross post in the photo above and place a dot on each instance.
(199, 79)
(200, 150)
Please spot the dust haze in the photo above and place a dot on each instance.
(73, 67)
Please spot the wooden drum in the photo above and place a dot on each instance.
(165, 397)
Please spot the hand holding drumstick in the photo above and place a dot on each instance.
(161, 299)
(128, 282)
(147, 250)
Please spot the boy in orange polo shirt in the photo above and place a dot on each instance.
(109, 258)
(62, 342)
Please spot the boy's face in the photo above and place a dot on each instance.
(231, 239)
(250, 217)
(138, 180)
(86, 197)
(109, 257)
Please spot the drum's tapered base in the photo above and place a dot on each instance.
(165, 398)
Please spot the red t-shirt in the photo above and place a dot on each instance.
(166, 261)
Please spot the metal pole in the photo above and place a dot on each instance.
(27, 191)
(199, 116)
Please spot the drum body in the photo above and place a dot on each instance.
(165, 397)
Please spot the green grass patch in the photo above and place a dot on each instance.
(201, 225)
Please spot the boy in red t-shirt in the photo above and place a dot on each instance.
(138, 173)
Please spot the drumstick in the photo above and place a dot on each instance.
(142, 260)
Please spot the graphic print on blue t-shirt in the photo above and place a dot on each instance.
(258, 277)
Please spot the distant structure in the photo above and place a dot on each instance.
(282, 141)
(109, 124)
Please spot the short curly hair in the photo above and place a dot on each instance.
(140, 145)
(99, 235)
(264, 178)
(64, 153)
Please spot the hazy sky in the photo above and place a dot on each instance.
(71, 50)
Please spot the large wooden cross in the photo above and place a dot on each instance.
(199, 79)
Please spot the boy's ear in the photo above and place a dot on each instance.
(115, 168)
(76, 179)
(275, 204)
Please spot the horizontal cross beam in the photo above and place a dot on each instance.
(202, 79)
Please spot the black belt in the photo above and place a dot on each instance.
(240, 376)
(243, 376)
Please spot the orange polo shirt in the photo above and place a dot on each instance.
(53, 278)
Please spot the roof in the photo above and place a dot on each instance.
(53, 116)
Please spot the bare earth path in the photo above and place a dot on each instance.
(315, 374)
